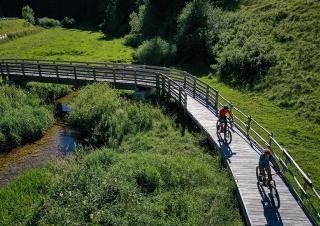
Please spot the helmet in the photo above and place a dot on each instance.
(267, 151)
(225, 107)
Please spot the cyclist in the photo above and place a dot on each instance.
(264, 165)
(223, 112)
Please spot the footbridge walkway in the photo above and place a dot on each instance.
(299, 199)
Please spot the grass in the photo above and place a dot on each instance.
(68, 44)
(150, 175)
(13, 26)
(19, 199)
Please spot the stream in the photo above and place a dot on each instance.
(58, 142)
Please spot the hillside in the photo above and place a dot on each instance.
(290, 30)
(15, 26)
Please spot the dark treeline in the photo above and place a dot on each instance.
(58, 9)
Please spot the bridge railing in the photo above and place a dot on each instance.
(177, 84)
(61, 72)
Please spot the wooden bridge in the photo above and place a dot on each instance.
(299, 199)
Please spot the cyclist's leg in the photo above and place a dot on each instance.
(268, 169)
(219, 123)
(224, 123)
(262, 171)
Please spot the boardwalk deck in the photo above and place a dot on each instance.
(242, 159)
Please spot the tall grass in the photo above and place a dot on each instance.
(106, 119)
(22, 118)
(151, 174)
(46, 90)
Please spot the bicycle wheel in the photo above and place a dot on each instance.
(228, 137)
(217, 125)
(274, 196)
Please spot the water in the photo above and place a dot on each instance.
(58, 142)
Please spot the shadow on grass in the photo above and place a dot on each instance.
(198, 70)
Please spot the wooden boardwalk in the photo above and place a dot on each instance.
(242, 159)
(200, 101)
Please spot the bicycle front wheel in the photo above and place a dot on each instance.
(227, 137)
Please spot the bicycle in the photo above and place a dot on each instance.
(223, 127)
(271, 185)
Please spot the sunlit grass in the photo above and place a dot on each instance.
(67, 44)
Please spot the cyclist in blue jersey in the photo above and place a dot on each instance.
(264, 164)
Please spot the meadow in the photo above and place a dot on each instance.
(146, 172)
(68, 44)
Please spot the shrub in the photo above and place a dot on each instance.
(134, 40)
(106, 119)
(244, 63)
(28, 14)
(48, 22)
(22, 118)
(48, 91)
(155, 52)
(68, 22)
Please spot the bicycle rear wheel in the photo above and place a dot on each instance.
(228, 137)
(274, 196)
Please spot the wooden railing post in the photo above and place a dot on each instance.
(169, 88)
(216, 103)
(75, 73)
(39, 71)
(185, 81)
(185, 101)
(94, 74)
(1, 70)
(207, 95)
(180, 96)
(158, 84)
(163, 86)
(57, 72)
(23, 73)
(114, 77)
(7, 69)
(135, 79)
(249, 124)
(270, 139)
(194, 87)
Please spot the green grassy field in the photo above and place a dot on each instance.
(64, 44)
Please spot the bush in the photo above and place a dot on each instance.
(48, 22)
(134, 40)
(106, 119)
(68, 22)
(155, 52)
(28, 14)
(22, 118)
(245, 64)
(48, 91)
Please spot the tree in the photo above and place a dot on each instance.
(28, 14)
(198, 27)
